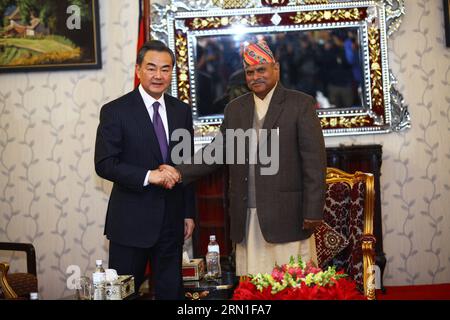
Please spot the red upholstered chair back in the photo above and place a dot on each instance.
(349, 210)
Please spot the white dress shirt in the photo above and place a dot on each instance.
(262, 105)
(148, 101)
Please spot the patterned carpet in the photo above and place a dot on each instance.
(421, 292)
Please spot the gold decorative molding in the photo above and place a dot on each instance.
(231, 4)
(375, 67)
(4, 285)
(182, 68)
(206, 130)
(316, 2)
(326, 15)
(344, 122)
(219, 22)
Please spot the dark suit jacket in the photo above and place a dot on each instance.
(126, 148)
(297, 190)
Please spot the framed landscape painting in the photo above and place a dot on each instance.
(43, 35)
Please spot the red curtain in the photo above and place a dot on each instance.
(140, 42)
(141, 35)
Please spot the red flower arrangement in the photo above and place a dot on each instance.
(298, 281)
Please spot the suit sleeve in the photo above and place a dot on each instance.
(193, 171)
(313, 156)
(108, 149)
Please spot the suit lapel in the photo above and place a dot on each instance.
(143, 119)
(275, 107)
(247, 112)
(171, 111)
(273, 113)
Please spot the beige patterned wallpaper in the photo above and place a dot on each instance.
(415, 172)
(49, 192)
(51, 196)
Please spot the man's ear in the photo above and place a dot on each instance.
(276, 67)
(137, 70)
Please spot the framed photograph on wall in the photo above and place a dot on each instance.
(43, 35)
(447, 21)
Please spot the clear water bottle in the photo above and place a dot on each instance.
(99, 280)
(213, 259)
(213, 245)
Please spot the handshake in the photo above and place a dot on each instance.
(165, 176)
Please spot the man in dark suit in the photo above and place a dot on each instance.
(144, 220)
(272, 216)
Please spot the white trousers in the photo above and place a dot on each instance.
(255, 255)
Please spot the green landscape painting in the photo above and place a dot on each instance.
(49, 34)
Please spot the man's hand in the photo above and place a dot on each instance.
(311, 224)
(189, 226)
(171, 171)
(162, 178)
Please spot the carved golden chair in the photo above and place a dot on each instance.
(349, 211)
(18, 285)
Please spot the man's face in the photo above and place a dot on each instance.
(261, 78)
(155, 72)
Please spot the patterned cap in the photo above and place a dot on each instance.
(257, 53)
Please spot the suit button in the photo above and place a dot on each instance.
(244, 198)
(245, 179)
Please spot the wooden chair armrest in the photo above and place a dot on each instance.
(28, 248)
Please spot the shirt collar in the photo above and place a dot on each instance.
(268, 96)
(149, 100)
